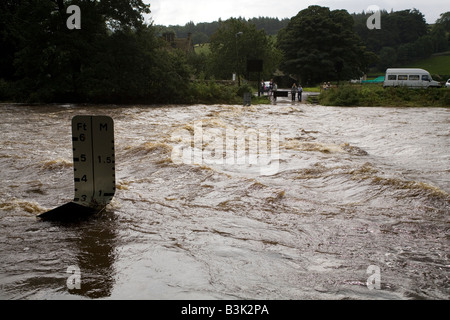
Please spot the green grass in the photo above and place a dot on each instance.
(438, 64)
(312, 89)
(376, 96)
(202, 48)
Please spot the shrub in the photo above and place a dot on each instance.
(5, 91)
(374, 95)
(342, 96)
(445, 100)
(210, 92)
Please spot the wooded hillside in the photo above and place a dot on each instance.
(116, 57)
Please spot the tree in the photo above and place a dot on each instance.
(237, 41)
(388, 58)
(410, 25)
(441, 33)
(319, 45)
(115, 57)
(444, 20)
(403, 35)
(49, 61)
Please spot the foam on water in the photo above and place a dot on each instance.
(354, 187)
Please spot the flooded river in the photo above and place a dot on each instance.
(286, 201)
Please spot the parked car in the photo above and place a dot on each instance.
(412, 78)
(447, 85)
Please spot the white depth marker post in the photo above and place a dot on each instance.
(93, 160)
(94, 167)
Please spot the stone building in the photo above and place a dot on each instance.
(184, 44)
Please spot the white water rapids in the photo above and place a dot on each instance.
(351, 188)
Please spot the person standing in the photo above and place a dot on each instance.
(275, 89)
(270, 89)
(300, 92)
(294, 91)
(262, 88)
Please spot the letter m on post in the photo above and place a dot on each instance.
(74, 21)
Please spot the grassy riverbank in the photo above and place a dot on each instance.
(376, 95)
(213, 92)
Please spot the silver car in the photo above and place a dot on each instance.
(447, 84)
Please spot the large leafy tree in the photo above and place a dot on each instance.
(50, 62)
(114, 57)
(441, 33)
(404, 37)
(320, 45)
(445, 20)
(237, 41)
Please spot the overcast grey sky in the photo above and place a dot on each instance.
(179, 12)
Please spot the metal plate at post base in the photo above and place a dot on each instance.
(94, 169)
(69, 212)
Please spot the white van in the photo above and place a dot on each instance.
(412, 78)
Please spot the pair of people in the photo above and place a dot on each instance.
(262, 87)
(296, 91)
(270, 88)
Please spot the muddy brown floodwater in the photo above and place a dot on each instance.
(286, 201)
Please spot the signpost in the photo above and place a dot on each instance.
(256, 66)
(247, 99)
